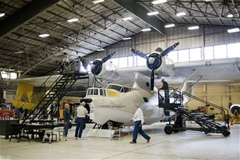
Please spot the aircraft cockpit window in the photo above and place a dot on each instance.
(115, 87)
(101, 92)
(104, 92)
(126, 89)
(95, 92)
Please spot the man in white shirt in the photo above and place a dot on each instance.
(80, 120)
(139, 120)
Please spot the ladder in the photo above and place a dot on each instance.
(55, 93)
(207, 125)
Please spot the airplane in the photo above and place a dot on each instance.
(116, 102)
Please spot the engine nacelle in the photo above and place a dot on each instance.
(104, 70)
(235, 109)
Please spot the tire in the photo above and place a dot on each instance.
(168, 129)
(225, 133)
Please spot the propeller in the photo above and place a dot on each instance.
(96, 66)
(154, 60)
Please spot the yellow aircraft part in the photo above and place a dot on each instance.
(235, 117)
(112, 93)
(24, 92)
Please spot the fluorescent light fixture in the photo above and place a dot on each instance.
(193, 27)
(73, 20)
(146, 29)
(2, 14)
(127, 38)
(180, 14)
(43, 35)
(233, 30)
(100, 49)
(170, 25)
(229, 15)
(152, 13)
(127, 18)
(158, 1)
(97, 1)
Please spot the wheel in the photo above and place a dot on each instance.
(176, 128)
(225, 133)
(168, 129)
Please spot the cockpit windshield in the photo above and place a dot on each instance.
(119, 88)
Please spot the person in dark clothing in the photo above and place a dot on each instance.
(66, 118)
(166, 91)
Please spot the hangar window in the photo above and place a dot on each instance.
(115, 61)
(183, 55)
(173, 56)
(195, 54)
(232, 50)
(208, 53)
(130, 61)
(220, 51)
(141, 61)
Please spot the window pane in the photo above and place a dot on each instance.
(233, 50)
(183, 55)
(220, 51)
(195, 54)
(130, 61)
(173, 56)
(115, 61)
(95, 92)
(13, 75)
(5, 74)
(208, 53)
(141, 61)
(123, 62)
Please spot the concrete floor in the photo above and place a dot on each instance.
(183, 145)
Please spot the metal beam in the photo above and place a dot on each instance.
(24, 14)
(141, 12)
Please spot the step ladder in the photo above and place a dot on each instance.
(207, 125)
(55, 93)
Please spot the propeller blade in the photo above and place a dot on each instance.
(108, 57)
(152, 80)
(139, 53)
(169, 49)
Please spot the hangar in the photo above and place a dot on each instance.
(113, 55)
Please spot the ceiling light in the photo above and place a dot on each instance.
(180, 14)
(43, 35)
(2, 14)
(100, 49)
(146, 29)
(193, 27)
(152, 13)
(97, 1)
(127, 18)
(170, 25)
(229, 15)
(158, 1)
(233, 30)
(127, 38)
(73, 20)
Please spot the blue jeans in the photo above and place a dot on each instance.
(66, 129)
(79, 128)
(166, 94)
(138, 129)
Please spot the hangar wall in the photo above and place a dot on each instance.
(218, 93)
(149, 41)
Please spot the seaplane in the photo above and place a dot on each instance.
(116, 103)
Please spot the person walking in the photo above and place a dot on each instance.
(80, 120)
(66, 118)
(166, 91)
(139, 120)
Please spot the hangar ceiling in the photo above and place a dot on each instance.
(98, 26)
